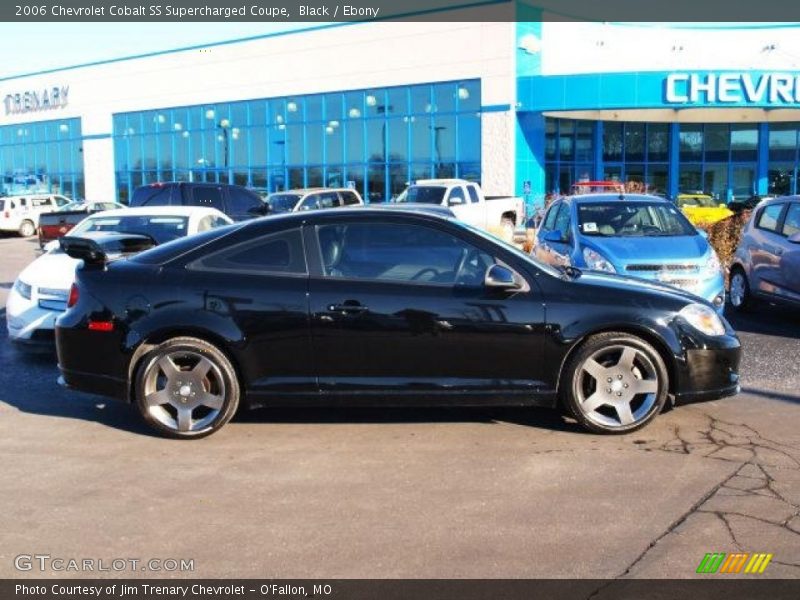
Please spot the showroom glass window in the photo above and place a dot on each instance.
(783, 159)
(719, 159)
(42, 157)
(374, 140)
(637, 154)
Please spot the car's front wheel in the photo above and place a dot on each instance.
(739, 292)
(186, 388)
(615, 383)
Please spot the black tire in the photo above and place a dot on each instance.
(577, 383)
(27, 228)
(221, 372)
(741, 299)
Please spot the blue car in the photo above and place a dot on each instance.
(634, 235)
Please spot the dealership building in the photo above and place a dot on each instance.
(524, 108)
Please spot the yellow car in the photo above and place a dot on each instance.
(702, 208)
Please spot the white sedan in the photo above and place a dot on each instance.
(40, 293)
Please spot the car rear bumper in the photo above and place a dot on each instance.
(93, 383)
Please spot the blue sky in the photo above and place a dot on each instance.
(30, 47)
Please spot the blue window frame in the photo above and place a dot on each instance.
(376, 140)
(42, 157)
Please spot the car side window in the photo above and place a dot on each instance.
(456, 196)
(769, 217)
(329, 200)
(204, 224)
(349, 198)
(208, 195)
(791, 224)
(61, 201)
(562, 219)
(550, 218)
(279, 253)
(241, 201)
(310, 202)
(397, 252)
(473, 193)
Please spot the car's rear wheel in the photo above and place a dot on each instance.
(615, 383)
(186, 388)
(739, 292)
(27, 228)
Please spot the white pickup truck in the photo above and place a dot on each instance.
(468, 204)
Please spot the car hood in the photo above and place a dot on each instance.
(672, 249)
(53, 270)
(633, 285)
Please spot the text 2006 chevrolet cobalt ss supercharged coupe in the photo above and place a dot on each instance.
(383, 306)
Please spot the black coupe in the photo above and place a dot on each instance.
(383, 306)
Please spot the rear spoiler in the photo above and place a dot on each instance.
(92, 253)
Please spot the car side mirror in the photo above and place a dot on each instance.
(455, 201)
(501, 278)
(555, 236)
(262, 210)
(795, 238)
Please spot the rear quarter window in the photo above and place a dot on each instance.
(769, 217)
(171, 250)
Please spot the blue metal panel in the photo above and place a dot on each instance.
(639, 90)
(674, 159)
(762, 166)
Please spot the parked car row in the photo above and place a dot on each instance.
(189, 319)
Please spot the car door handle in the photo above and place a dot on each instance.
(347, 308)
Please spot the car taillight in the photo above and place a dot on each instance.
(73, 295)
(101, 326)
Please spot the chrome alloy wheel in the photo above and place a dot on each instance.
(617, 386)
(183, 390)
(738, 291)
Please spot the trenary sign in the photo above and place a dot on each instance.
(37, 100)
(778, 89)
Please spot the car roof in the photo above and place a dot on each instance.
(776, 200)
(166, 211)
(314, 189)
(443, 181)
(614, 197)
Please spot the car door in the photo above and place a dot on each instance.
(260, 286)
(398, 306)
(764, 248)
(789, 251)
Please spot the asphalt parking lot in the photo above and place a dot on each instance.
(404, 493)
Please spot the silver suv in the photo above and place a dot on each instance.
(766, 264)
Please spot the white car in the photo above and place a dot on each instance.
(40, 293)
(21, 213)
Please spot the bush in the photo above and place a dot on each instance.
(724, 235)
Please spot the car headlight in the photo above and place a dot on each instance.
(703, 318)
(597, 262)
(23, 289)
(712, 263)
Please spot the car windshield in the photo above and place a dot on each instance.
(279, 203)
(703, 201)
(423, 194)
(162, 228)
(73, 206)
(632, 219)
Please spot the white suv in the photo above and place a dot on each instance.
(21, 213)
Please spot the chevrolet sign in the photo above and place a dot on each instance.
(36, 100)
(732, 88)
